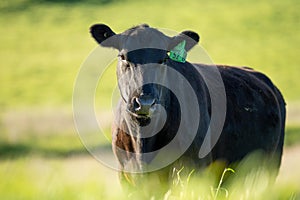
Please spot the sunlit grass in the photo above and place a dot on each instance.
(84, 178)
(54, 178)
(44, 43)
(251, 179)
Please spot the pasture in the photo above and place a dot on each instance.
(42, 46)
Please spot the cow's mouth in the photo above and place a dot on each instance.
(144, 121)
(141, 119)
(139, 116)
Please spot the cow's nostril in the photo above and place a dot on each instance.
(136, 103)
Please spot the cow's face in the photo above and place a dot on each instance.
(142, 60)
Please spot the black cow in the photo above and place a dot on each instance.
(149, 113)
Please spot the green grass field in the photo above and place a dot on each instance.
(43, 44)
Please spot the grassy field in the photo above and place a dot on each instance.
(43, 44)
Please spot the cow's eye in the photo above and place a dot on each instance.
(122, 57)
(125, 63)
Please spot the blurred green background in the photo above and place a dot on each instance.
(44, 42)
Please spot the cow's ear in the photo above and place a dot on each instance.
(104, 36)
(191, 38)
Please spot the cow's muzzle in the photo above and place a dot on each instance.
(144, 105)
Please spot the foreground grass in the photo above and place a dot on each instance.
(55, 178)
(84, 178)
(57, 166)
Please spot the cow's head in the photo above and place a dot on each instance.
(142, 52)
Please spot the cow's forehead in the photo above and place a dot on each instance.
(144, 37)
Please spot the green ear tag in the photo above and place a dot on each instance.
(178, 53)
